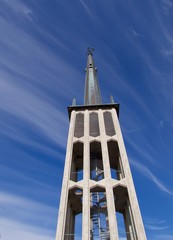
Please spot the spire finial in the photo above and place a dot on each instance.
(90, 51)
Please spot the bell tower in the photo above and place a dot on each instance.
(97, 182)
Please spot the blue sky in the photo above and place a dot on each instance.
(42, 62)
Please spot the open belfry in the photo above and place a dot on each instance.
(97, 183)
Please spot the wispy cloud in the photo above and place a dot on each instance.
(147, 173)
(134, 33)
(167, 5)
(25, 218)
(6, 171)
(157, 228)
(20, 8)
(156, 224)
(85, 7)
(140, 148)
(163, 236)
(30, 77)
(167, 52)
(18, 203)
(33, 109)
(22, 231)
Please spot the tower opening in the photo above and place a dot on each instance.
(123, 208)
(121, 226)
(77, 162)
(94, 125)
(115, 160)
(74, 212)
(99, 224)
(96, 161)
(79, 126)
(109, 126)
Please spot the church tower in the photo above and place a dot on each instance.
(97, 183)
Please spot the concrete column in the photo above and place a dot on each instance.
(130, 185)
(86, 189)
(109, 191)
(129, 223)
(132, 229)
(64, 192)
(70, 223)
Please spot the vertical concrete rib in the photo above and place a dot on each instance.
(109, 191)
(130, 185)
(86, 189)
(64, 192)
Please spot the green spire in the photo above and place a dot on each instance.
(92, 91)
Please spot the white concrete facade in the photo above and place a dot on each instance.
(95, 149)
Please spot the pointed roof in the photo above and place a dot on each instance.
(92, 91)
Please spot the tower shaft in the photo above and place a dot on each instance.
(97, 182)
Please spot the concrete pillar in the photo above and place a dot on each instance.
(86, 189)
(64, 192)
(130, 185)
(109, 191)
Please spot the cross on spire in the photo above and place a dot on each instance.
(90, 51)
